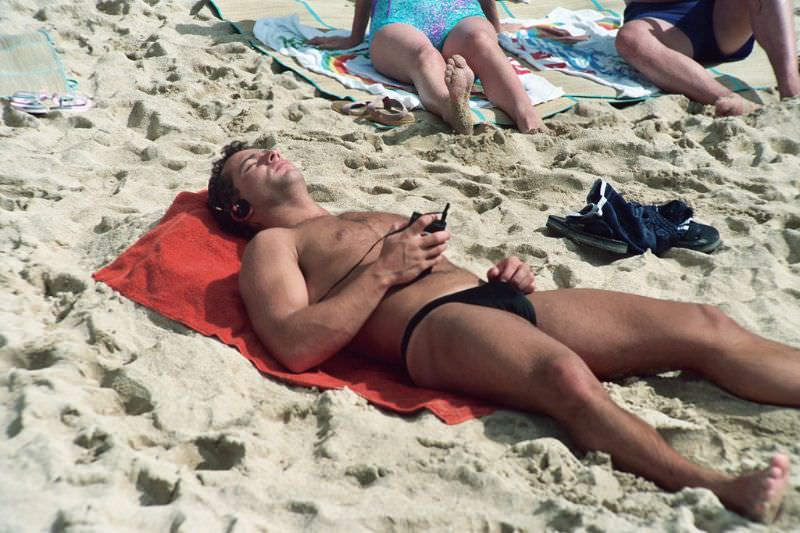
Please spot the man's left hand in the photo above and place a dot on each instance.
(512, 270)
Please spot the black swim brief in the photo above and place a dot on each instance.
(495, 294)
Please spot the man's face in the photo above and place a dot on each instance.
(261, 174)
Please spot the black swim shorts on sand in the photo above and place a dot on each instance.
(495, 294)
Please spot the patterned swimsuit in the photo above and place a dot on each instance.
(434, 18)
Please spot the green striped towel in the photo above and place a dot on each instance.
(29, 62)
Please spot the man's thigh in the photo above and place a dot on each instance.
(490, 354)
(662, 31)
(732, 26)
(620, 334)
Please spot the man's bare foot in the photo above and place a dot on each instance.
(790, 86)
(732, 105)
(459, 79)
(758, 495)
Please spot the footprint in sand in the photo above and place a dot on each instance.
(459, 79)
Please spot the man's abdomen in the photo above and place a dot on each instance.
(382, 334)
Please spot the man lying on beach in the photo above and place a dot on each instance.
(315, 283)
(670, 42)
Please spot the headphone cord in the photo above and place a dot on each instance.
(374, 244)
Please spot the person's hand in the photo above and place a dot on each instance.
(405, 255)
(334, 43)
(511, 27)
(512, 270)
(559, 34)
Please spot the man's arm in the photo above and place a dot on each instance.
(300, 334)
(490, 10)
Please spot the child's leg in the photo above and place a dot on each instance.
(404, 53)
(474, 38)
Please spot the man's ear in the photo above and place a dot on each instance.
(241, 210)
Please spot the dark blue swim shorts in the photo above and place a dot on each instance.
(695, 19)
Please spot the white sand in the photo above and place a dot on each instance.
(116, 419)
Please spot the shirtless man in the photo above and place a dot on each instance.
(309, 295)
(669, 42)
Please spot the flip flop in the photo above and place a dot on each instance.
(698, 237)
(389, 112)
(583, 234)
(346, 107)
(72, 102)
(43, 102)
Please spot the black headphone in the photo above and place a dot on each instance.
(240, 210)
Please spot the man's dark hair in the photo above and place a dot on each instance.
(222, 193)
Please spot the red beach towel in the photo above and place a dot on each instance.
(187, 269)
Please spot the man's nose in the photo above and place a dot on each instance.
(273, 155)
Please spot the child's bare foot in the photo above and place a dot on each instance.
(529, 121)
(758, 495)
(459, 79)
(732, 105)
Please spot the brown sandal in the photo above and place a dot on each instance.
(347, 107)
(389, 112)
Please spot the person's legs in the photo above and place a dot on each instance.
(474, 38)
(663, 54)
(466, 349)
(772, 23)
(404, 53)
(630, 334)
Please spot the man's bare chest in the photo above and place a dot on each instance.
(328, 248)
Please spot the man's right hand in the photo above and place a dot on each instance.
(405, 255)
(335, 43)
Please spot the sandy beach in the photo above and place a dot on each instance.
(117, 419)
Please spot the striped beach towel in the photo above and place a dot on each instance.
(353, 68)
(29, 62)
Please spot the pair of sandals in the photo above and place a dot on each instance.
(43, 102)
(387, 111)
(613, 224)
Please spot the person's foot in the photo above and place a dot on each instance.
(529, 121)
(789, 86)
(732, 105)
(459, 79)
(758, 495)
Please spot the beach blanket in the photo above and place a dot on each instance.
(243, 14)
(353, 68)
(29, 62)
(186, 269)
(588, 52)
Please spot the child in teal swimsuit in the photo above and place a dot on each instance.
(439, 46)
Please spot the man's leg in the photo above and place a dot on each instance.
(772, 23)
(630, 334)
(663, 54)
(404, 53)
(466, 349)
(475, 39)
